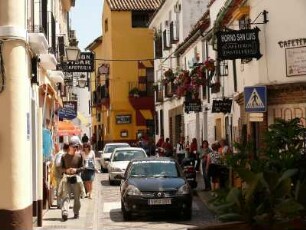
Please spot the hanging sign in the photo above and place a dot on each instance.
(238, 44)
(69, 110)
(193, 106)
(84, 64)
(222, 106)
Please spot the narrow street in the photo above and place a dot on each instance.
(104, 212)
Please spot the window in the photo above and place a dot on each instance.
(106, 25)
(140, 19)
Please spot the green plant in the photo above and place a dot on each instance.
(274, 186)
(134, 92)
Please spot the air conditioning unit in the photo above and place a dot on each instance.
(177, 8)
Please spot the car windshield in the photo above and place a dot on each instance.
(111, 148)
(154, 169)
(128, 155)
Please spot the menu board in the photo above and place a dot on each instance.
(296, 61)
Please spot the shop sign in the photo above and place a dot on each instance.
(296, 61)
(238, 44)
(123, 119)
(193, 106)
(222, 106)
(69, 110)
(84, 64)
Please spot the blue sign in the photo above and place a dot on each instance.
(69, 110)
(255, 99)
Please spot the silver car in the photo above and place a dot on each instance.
(107, 152)
(120, 159)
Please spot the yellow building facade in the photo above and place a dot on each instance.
(123, 98)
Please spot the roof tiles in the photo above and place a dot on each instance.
(127, 5)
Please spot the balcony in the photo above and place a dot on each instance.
(37, 40)
(100, 97)
(141, 95)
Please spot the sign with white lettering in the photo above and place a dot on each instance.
(123, 119)
(193, 106)
(222, 106)
(238, 44)
(84, 64)
(69, 110)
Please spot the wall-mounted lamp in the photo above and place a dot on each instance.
(82, 81)
(72, 51)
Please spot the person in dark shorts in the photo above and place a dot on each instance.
(88, 174)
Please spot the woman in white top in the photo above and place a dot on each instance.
(88, 174)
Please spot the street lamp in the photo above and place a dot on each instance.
(72, 51)
(82, 81)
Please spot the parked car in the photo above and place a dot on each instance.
(120, 159)
(106, 153)
(155, 185)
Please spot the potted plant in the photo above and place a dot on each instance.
(134, 92)
(272, 195)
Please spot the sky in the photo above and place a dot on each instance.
(86, 19)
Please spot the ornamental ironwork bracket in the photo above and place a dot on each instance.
(265, 18)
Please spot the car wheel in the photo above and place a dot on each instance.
(126, 214)
(111, 182)
(187, 214)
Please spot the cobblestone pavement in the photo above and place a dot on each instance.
(104, 212)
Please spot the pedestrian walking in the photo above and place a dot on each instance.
(180, 150)
(194, 152)
(88, 174)
(57, 173)
(167, 148)
(85, 138)
(72, 184)
(213, 167)
(204, 152)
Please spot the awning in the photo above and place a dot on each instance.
(147, 114)
(56, 76)
(48, 88)
(83, 119)
(67, 128)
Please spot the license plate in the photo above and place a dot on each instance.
(159, 201)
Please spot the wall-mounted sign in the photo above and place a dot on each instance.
(124, 133)
(222, 106)
(84, 64)
(123, 119)
(238, 44)
(193, 106)
(255, 99)
(69, 110)
(296, 61)
(103, 69)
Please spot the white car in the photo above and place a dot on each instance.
(120, 159)
(107, 152)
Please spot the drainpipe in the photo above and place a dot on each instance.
(15, 99)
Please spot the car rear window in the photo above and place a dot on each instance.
(154, 169)
(111, 148)
(128, 155)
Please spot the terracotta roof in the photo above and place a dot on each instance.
(126, 5)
